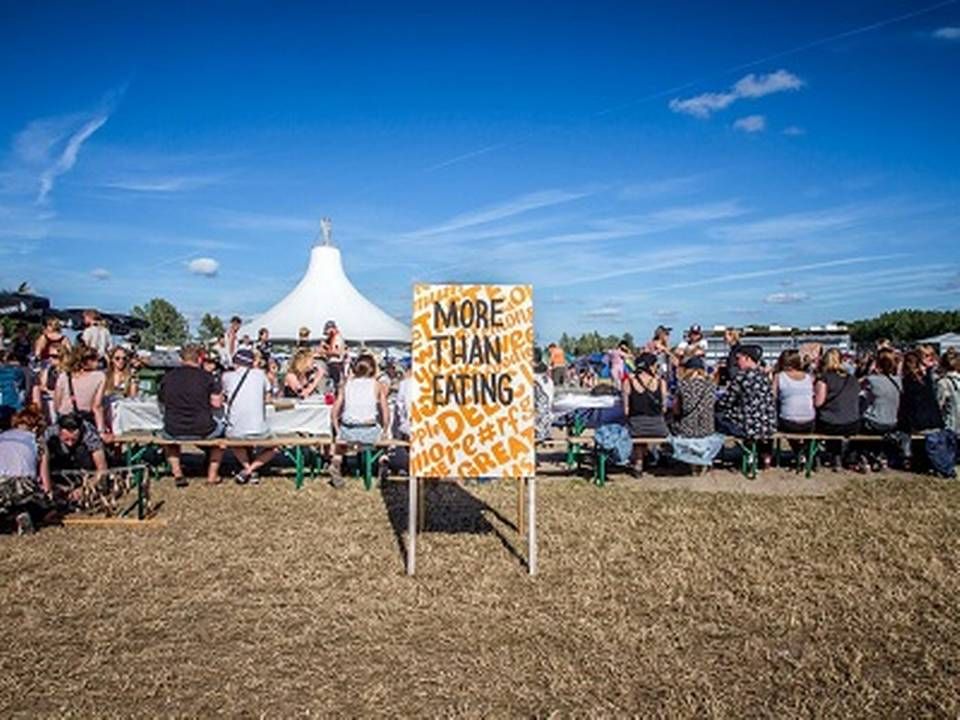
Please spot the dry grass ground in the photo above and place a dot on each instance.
(262, 601)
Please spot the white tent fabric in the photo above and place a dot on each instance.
(326, 293)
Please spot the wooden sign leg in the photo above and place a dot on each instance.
(422, 504)
(412, 517)
(521, 486)
(532, 525)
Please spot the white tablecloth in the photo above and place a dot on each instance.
(308, 417)
(573, 401)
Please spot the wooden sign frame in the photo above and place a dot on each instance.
(474, 416)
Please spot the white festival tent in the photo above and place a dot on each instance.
(326, 293)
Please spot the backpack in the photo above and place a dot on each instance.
(941, 447)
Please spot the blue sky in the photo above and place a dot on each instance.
(637, 162)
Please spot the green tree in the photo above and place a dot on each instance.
(167, 325)
(905, 325)
(211, 327)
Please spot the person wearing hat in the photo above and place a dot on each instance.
(644, 395)
(246, 389)
(334, 349)
(693, 407)
(695, 344)
(747, 409)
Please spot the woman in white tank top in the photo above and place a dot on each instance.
(793, 387)
(359, 413)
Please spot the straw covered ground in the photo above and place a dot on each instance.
(264, 601)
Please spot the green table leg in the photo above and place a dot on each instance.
(298, 461)
(813, 447)
(601, 469)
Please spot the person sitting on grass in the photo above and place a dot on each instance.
(188, 396)
(793, 389)
(303, 377)
(747, 408)
(354, 415)
(247, 389)
(837, 399)
(24, 472)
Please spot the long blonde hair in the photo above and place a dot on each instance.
(301, 362)
(832, 362)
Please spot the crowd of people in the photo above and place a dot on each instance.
(56, 397)
(670, 390)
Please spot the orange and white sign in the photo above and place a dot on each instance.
(473, 366)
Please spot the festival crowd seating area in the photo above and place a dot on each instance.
(82, 420)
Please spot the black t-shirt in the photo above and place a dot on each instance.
(185, 395)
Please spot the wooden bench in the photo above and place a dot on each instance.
(812, 444)
(293, 447)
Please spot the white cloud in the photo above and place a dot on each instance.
(750, 86)
(161, 184)
(947, 33)
(751, 124)
(68, 157)
(605, 312)
(666, 314)
(100, 273)
(785, 298)
(755, 86)
(208, 267)
(794, 130)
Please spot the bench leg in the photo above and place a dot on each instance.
(600, 474)
(298, 462)
(813, 447)
(521, 486)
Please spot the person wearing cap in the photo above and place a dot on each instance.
(695, 344)
(644, 395)
(246, 389)
(334, 350)
(693, 406)
(747, 408)
(189, 395)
